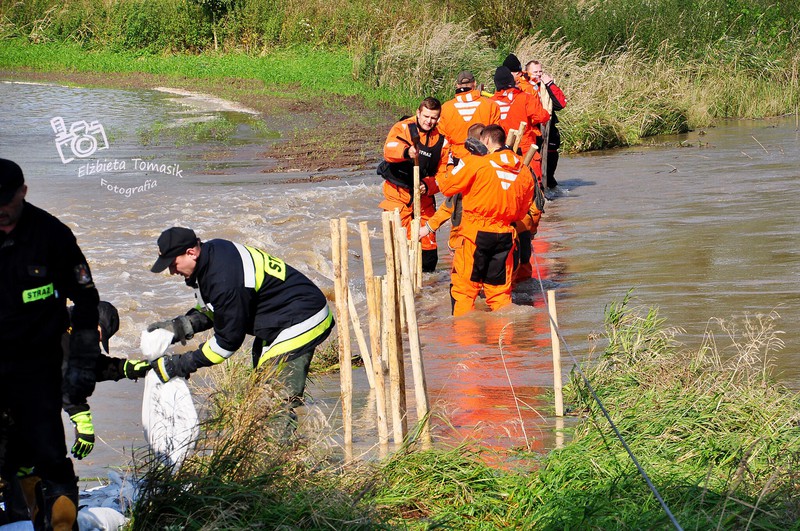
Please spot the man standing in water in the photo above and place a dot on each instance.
(553, 100)
(415, 140)
(243, 290)
(41, 266)
(497, 191)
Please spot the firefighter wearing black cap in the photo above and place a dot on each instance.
(243, 290)
(41, 266)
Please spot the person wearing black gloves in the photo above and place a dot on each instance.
(243, 290)
(41, 266)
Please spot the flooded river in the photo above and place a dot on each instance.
(703, 225)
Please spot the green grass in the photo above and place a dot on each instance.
(717, 436)
(301, 69)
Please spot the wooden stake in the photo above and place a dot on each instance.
(373, 312)
(345, 379)
(511, 138)
(559, 432)
(518, 138)
(529, 155)
(416, 253)
(545, 142)
(395, 350)
(420, 388)
(360, 339)
(557, 385)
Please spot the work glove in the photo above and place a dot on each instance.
(475, 146)
(135, 369)
(84, 434)
(181, 328)
(168, 367)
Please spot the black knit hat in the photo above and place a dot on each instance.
(512, 63)
(503, 78)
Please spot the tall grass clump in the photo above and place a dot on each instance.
(716, 434)
(243, 474)
(613, 99)
(424, 60)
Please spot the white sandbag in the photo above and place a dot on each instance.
(169, 418)
(100, 519)
(154, 344)
(27, 525)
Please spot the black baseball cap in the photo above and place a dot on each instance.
(109, 322)
(11, 180)
(172, 243)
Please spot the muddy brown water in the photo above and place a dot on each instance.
(702, 226)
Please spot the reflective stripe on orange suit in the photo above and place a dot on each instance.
(460, 113)
(516, 107)
(394, 150)
(497, 191)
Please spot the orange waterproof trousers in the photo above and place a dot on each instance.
(486, 263)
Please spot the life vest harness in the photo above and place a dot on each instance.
(402, 173)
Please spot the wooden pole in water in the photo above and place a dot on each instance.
(529, 155)
(518, 138)
(375, 340)
(511, 138)
(545, 143)
(345, 379)
(416, 247)
(395, 350)
(360, 339)
(557, 384)
(418, 369)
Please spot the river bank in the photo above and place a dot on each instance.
(317, 132)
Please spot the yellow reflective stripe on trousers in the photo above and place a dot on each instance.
(214, 353)
(296, 336)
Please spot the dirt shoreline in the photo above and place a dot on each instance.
(320, 133)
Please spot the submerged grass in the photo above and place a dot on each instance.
(718, 437)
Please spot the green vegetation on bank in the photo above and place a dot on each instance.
(718, 437)
(630, 69)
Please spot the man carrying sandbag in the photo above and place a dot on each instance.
(243, 290)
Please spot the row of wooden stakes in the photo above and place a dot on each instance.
(390, 308)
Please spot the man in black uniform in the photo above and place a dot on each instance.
(41, 266)
(243, 290)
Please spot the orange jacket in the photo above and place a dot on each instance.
(517, 106)
(395, 151)
(497, 191)
(460, 113)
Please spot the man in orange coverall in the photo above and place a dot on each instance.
(466, 109)
(518, 107)
(415, 138)
(450, 209)
(497, 190)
